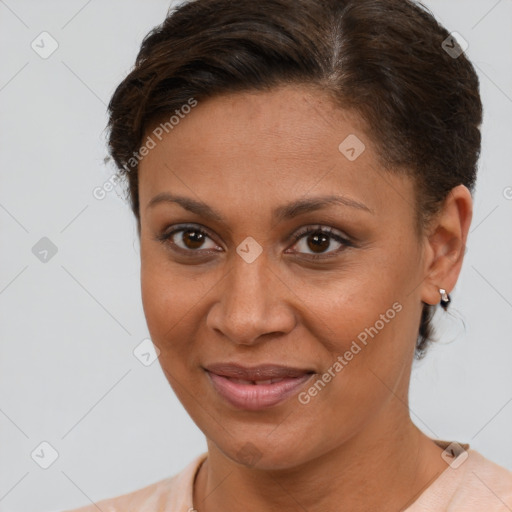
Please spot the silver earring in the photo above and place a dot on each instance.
(445, 298)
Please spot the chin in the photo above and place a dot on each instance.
(260, 454)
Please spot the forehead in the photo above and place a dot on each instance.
(291, 121)
(285, 143)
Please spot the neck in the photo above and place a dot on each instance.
(385, 467)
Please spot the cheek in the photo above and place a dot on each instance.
(369, 334)
(173, 302)
(367, 360)
(369, 318)
(344, 306)
(165, 298)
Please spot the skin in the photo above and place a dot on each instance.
(354, 442)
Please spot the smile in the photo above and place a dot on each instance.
(263, 387)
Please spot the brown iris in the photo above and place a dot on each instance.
(195, 237)
(318, 241)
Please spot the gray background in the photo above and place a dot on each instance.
(69, 326)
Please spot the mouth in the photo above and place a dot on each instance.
(256, 388)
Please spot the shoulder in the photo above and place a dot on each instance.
(485, 483)
(173, 493)
(471, 483)
(140, 499)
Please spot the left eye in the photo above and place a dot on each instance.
(319, 239)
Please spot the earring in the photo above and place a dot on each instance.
(445, 298)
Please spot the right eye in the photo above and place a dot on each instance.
(187, 239)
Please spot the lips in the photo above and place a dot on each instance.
(258, 374)
(257, 387)
(256, 382)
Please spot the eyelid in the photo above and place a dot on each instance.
(184, 226)
(331, 232)
(313, 228)
(168, 232)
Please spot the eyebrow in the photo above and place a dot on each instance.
(281, 213)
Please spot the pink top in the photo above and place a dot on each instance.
(471, 483)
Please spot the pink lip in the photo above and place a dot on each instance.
(253, 397)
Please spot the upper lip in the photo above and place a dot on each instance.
(261, 372)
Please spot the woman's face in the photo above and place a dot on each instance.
(238, 287)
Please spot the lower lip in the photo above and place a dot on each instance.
(253, 397)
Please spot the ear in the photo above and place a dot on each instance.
(445, 244)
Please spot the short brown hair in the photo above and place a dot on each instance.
(384, 58)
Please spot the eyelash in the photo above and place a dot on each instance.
(302, 233)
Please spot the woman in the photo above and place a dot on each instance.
(301, 172)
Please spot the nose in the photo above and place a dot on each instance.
(253, 303)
